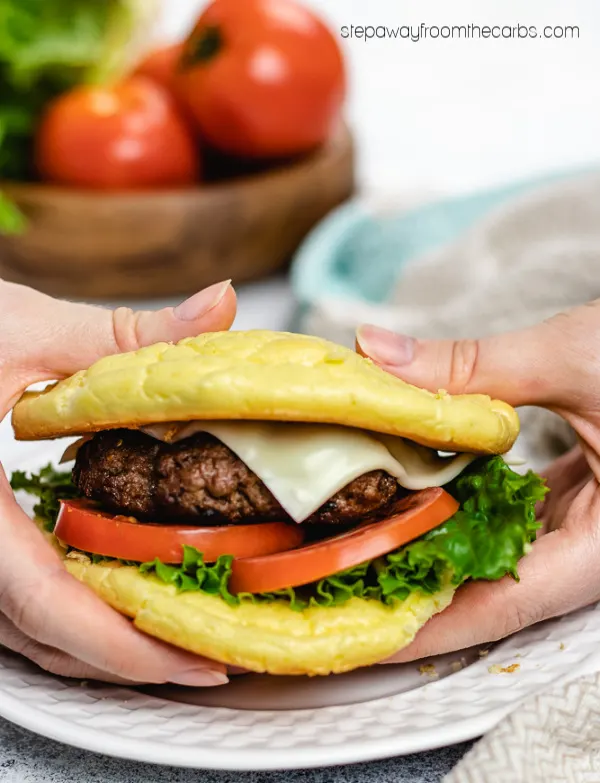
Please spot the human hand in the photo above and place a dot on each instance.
(555, 365)
(45, 614)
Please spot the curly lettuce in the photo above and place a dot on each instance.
(49, 486)
(46, 48)
(485, 539)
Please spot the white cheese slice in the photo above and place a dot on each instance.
(72, 449)
(304, 465)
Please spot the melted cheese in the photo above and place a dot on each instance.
(72, 449)
(304, 465)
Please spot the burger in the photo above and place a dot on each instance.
(274, 501)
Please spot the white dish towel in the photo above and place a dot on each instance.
(553, 738)
(526, 261)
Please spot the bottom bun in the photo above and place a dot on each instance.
(265, 637)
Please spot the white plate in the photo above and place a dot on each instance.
(260, 723)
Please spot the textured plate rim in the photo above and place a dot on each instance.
(278, 758)
(144, 751)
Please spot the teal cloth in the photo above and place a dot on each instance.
(355, 254)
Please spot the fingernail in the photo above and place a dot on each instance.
(200, 678)
(385, 347)
(201, 303)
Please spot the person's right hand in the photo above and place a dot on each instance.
(46, 614)
(555, 365)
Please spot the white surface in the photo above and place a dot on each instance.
(457, 115)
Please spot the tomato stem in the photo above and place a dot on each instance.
(203, 47)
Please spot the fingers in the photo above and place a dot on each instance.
(565, 478)
(50, 659)
(558, 576)
(57, 662)
(552, 364)
(53, 338)
(46, 604)
(46, 338)
(494, 366)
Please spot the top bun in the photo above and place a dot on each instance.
(261, 375)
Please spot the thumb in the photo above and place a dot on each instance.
(521, 368)
(50, 338)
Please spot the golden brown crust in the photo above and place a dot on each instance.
(261, 375)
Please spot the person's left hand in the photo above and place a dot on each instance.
(45, 614)
(555, 365)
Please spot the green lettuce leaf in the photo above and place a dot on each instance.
(485, 539)
(46, 48)
(12, 220)
(50, 486)
(194, 574)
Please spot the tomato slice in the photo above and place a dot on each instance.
(414, 515)
(83, 526)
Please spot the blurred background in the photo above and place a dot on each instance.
(429, 137)
(454, 116)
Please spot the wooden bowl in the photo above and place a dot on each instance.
(87, 245)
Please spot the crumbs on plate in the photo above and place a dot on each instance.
(456, 666)
(497, 669)
(428, 669)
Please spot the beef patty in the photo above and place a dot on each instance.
(200, 481)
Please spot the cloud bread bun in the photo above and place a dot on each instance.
(261, 375)
(267, 637)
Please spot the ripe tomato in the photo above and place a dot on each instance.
(262, 78)
(416, 514)
(124, 137)
(85, 527)
(160, 65)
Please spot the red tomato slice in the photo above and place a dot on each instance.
(83, 526)
(414, 515)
